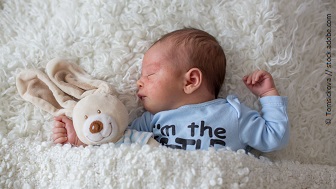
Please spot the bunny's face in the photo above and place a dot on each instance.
(100, 118)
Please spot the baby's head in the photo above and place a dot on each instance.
(185, 66)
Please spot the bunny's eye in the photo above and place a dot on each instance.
(85, 117)
(98, 111)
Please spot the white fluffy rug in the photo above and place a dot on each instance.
(108, 39)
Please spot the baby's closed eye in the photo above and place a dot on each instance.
(150, 74)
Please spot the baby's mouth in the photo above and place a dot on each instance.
(141, 97)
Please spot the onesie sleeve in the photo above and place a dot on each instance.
(133, 136)
(140, 137)
(267, 131)
(142, 123)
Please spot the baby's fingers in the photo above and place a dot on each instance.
(59, 137)
(60, 140)
(247, 79)
(59, 118)
(58, 124)
(255, 77)
(258, 76)
(57, 130)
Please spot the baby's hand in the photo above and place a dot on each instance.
(64, 131)
(261, 83)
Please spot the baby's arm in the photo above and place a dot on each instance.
(270, 130)
(261, 84)
(64, 132)
(267, 131)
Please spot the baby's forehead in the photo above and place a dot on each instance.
(156, 55)
(151, 66)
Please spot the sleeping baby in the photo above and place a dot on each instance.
(182, 74)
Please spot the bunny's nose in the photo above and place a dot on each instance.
(96, 127)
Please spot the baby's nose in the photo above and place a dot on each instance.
(139, 83)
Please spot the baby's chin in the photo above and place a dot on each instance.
(151, 109)
(156, 109)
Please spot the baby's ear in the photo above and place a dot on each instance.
(192, 80)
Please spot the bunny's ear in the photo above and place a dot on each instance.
(59, 93)
(73, 80)
(35, 87)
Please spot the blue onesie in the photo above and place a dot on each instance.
(220, 123)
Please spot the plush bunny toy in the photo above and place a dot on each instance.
(98, 116)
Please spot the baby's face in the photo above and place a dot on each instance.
(161, 84)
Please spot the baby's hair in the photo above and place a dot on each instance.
(194, 48)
